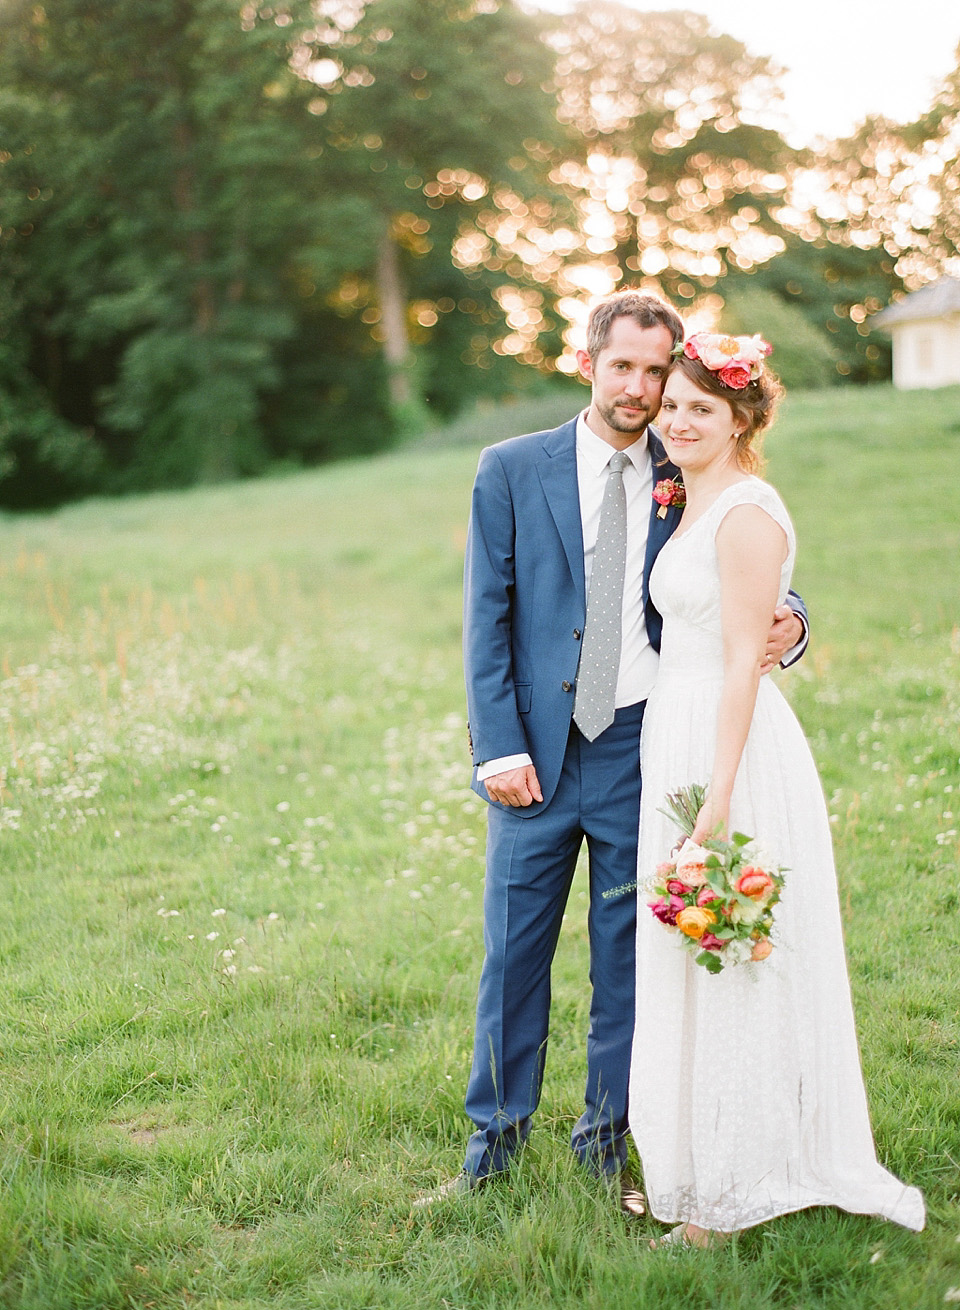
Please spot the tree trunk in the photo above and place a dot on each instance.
(407, 403)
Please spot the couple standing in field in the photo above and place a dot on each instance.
(623, 580)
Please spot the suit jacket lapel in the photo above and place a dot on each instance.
(557, 469)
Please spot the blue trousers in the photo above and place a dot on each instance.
(530, 866)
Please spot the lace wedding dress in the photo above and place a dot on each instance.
(746, 1094)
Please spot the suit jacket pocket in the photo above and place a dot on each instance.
(524, 693)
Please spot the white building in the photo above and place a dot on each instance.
(925, 327)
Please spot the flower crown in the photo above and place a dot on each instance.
(737, 361)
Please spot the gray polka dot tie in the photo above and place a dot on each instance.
(600, 657)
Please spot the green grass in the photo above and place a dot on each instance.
(242, 889)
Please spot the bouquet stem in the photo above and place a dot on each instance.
(684, 805)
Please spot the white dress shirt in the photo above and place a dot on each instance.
(638, 659)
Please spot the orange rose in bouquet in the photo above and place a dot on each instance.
(755, 883)
(694, 921)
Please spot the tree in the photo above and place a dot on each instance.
(679, 182)
(44, 440)
(167, 176)
(884, 216)
(803, 355)
(870, 193)
(436, 115)
(834, 285)
(940, 169)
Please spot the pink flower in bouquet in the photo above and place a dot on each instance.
(666, 909)
(755, 883)
(693, 921)
(692, 864)
(761, 949)
(677, 888)
(711, 943)
(707, 896)
(666, 870)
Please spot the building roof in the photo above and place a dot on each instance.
(935, 300)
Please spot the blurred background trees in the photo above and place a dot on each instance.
(438, 117)
(156, 185)
(234, 234)
(679, 184)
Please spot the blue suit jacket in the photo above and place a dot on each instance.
(525, 601)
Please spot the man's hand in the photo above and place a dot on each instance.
(787, 632)
(516, 786)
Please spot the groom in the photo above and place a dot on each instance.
(558, 760)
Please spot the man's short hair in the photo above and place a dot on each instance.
(645, 308)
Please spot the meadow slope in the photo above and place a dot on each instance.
(242, 878)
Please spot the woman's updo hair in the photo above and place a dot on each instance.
(753, 405)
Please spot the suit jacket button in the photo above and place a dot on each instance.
(576, 634)
(567, 686)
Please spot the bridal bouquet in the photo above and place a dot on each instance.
(718, 896)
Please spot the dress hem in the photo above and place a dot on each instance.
(775, 1213)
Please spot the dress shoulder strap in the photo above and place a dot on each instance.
(753, 491)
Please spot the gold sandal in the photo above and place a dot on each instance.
(705, 1239)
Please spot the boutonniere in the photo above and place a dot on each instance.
(669, 491)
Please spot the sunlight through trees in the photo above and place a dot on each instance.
(237, 234)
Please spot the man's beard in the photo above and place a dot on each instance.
(614, 418)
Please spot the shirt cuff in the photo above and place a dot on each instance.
(489, 767)
(791, 656)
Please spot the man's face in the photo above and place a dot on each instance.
(627, 380)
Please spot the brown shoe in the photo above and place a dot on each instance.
(632, 1201)
(460, 1185)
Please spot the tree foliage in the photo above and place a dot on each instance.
(888, 203)
(437, 114)
(679, 182)
(162, 219)
(834, 285)
(236, 232)
(940, 130)
(803, 356)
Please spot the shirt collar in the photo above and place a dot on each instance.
(595, 452)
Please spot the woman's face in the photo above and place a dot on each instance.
(698, 428)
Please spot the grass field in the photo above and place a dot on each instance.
(242, 881)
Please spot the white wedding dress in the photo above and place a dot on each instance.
(746, 1094)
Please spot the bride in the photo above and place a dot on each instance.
(746, 1094)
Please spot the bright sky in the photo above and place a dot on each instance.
(845, 58)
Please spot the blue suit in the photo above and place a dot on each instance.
(524, 614)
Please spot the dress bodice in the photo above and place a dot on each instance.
(685, 582)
